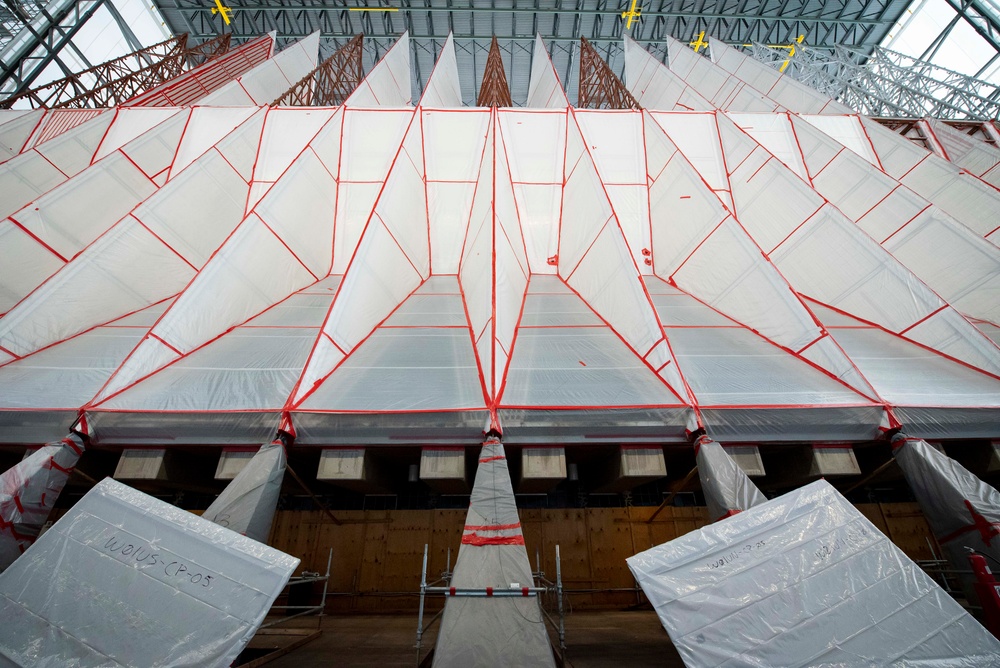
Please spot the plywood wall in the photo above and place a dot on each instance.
(377, 555)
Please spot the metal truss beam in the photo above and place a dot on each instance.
(331, 82)
(122, 78)
(599, 87)
(41, 41)
(888, 84)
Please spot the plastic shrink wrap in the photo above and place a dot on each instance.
(805, 580)
(492, 631)
(726, 487)
(962, 510)
(247, 504)
(126, 579)
(29, 490)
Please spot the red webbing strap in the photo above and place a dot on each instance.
(492, 527)
(494, 458)
(480, 541)
(73, 446)
(987, 530)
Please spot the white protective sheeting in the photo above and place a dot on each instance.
(711, 82)
(492, 631)
(805, 580)
(781, 88)
(962, 510)
(208, 77)
(726, 487)
(544, 88)
(388, 83)
(444, 89)
(269, 80)
(247, 504)
(968, 152)
(654, 86)
(126, 579)
(29, 490)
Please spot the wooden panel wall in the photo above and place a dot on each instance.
(377, 555)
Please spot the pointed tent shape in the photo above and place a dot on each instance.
(494, 91)
(781, 88)
(654, 86)
(265, 82)
(713, 83)
(247, 504)
(962, 510)
(492, 631)
(700, 247)
(332, 81)
(927, 240)
(29, 490)
(827, 258)
(968, 152)
(444, 88)
(391, 261)
(494, 270)
(726, 487)
(544, 87)
(388, 83)
(970, 200)
(600, 87)
(290, 232)
(812, 560)
(595, 261)
(195, 84)
(147, 256)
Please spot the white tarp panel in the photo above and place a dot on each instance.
(962, 510)
(16, 127)
(492, 631)
(269, 80)
(805, 580)
(711, 82)
(544, 87)
(247, 504)
(444, 89)
(783, 89)
(968, 152)
(388, 83)
(29, 490)
(208, 77)
(126, 579)
(654, 86)
(726, 487)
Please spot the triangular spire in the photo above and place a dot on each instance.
(726, 487)
(332, 82)
(29, 490)
(388, 83)
(599, 87)
(444, 88)
(492, 630)
(247, 504)
(494, 91)
(544, 88)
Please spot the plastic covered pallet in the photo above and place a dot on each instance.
(247, 504)
(126, 579)
(492, 631)
(805, 580)
(727, 488)
(29, 490)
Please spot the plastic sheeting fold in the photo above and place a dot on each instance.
(29, 490)
(247, 504)
(726, 487)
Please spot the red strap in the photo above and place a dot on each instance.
(492, 527)
(73, 446)
(987, 530)
(479, 541)
(491, 459)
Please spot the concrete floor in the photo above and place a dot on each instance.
(606, 639)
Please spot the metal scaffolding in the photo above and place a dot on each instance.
(112, 83)
(599, 87)
(494, 91)
(887, 83)
(331, 82)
